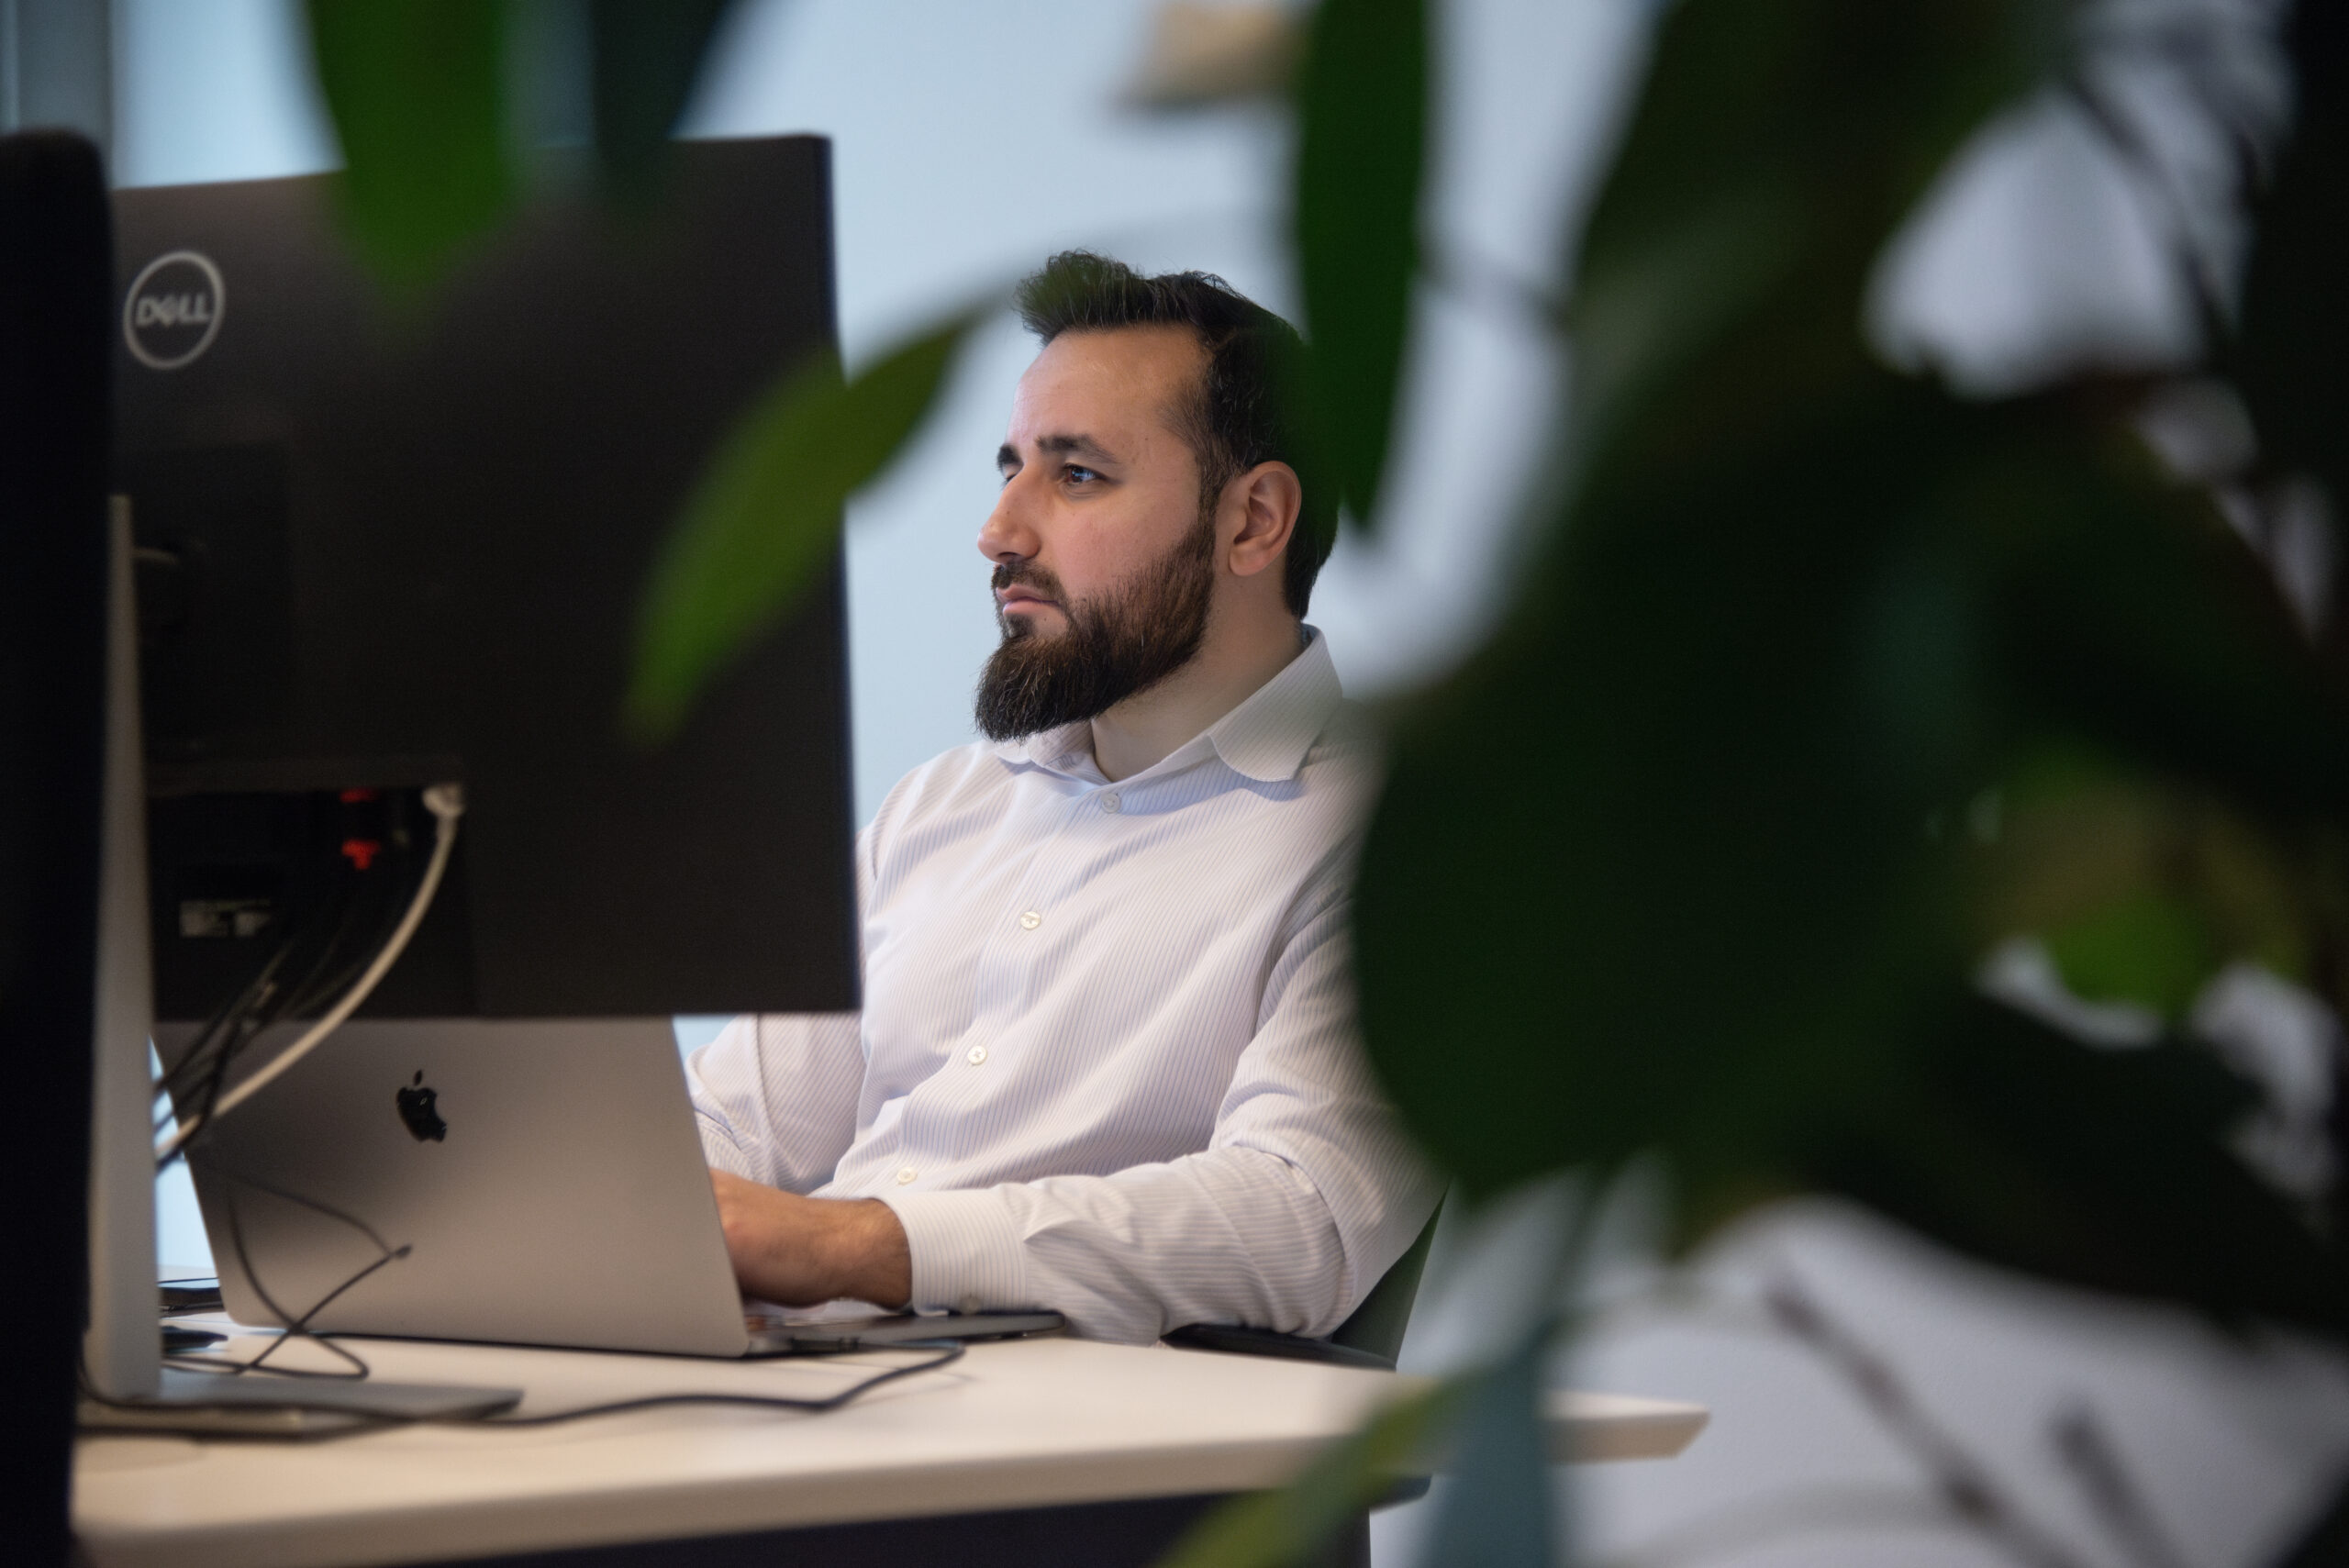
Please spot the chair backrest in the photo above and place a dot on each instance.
(1372, 1336)
(1378, 1325)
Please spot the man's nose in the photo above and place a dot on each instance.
(1009, 534)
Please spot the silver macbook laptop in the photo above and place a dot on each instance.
(529, 1182)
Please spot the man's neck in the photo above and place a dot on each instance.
(1232, 664)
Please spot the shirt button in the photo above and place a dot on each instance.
(976, 1055)
(906, 1176)
(1031, 920)
(1111, 803)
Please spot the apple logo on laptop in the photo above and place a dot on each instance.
(416, 1110)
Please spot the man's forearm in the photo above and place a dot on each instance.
(799, 1250)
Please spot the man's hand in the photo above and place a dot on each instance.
(797, 1250)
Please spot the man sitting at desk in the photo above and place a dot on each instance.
(1107, 1062)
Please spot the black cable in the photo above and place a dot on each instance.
(394, 892)
(291, 1325)
(340, 907)
(262, 1002)
(224, 1036)
(246, 1179)
(327, 980)
(197, 1060)
(949, 1351)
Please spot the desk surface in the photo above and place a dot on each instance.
(1020, 1424)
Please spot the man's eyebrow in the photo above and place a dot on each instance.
(1076, 446)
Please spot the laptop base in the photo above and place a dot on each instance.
(780, 1334)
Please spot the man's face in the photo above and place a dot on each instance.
(1105, 560)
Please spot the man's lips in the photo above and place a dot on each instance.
(1020, 598)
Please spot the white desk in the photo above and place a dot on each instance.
(1020, 1425)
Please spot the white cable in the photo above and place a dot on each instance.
(447, 803)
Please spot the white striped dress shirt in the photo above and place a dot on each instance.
(1107, 1062)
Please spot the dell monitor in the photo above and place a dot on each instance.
(385, 543)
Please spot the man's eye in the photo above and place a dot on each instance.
(1080, 474)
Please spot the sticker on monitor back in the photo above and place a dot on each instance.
(174, 309)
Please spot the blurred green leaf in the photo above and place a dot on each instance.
(647, 55)
(1497, 1513)
(2125, 610)
(417, 94)
(1695, 903)
(2295, 333)
(2142, 888)
(2101, 1168)
(766, 516)
(2146, 949)
(1795, 609)
(1362, 151)
(1272, 1529)
(1772, 150)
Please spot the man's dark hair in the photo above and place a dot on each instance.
(1243, 416)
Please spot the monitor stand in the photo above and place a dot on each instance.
(127, 1385)
(201, 1403)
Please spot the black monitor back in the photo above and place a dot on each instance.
(387, 543)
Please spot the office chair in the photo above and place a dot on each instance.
(1371, 1338)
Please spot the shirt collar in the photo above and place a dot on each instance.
(1264, 739)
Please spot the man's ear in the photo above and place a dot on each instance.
(1268, 498)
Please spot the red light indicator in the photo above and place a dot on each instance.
(356, 796)
(362, 853)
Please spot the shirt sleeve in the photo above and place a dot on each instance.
(791, 1139)
(1307, 1193)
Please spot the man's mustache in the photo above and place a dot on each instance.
(1026, 576)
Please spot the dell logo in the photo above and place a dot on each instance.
(173, 310)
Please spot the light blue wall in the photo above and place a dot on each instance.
(216, 91)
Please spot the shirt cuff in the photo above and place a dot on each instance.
(965, 1249)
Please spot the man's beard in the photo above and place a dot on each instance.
(1126, 641)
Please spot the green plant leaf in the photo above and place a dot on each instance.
(2295, 333)
(2145, 949)
(647, 55)
(766, 516)
(2100, 1168)
(2126, 609)
(2142, 887)
(1690, 910)
(1361, 151)
(1793, 608)
(1272, 1529)
(1497, 1513)
(1774, 150)
(417, 94)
